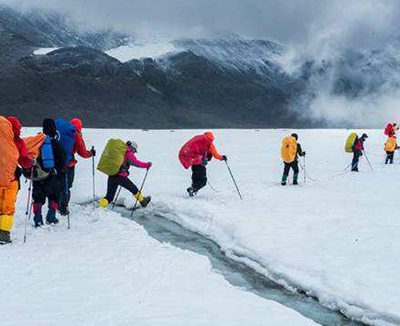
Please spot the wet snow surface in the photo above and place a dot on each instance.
(335, 238)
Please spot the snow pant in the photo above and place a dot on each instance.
(8, 196)
(65, 188)
(114, 182)
(356, 158)
(199, 177)
(50, 189)
(389, 157)
(295, 167)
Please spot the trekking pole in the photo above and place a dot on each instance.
(366, 157)
(28, 206)
(66, 198)
(351, 164)
(304, 169)
(94, 182)
(233, 179)
(116, 198)
(141, 189)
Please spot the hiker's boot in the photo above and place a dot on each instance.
(144, 201)
(51, 214)
(284, 180)
(38, 219)
(103, 203)
(191, 191)
(4, 237)
(64, 211)
(295, 179)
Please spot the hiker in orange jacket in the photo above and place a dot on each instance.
(80, 149)
(390, 147)
(13, 153)
(196, 153)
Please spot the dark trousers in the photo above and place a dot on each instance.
(356, 158)
(389, 157)
(48, 188)
(114, 182)
(294, 166)
(66, 183)
(199, 177)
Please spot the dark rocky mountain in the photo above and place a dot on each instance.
(231, 82)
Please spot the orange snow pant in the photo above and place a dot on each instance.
(8, 196)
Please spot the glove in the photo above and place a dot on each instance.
(93, 151)
(304, 153)
(204, 161)
(224, 158)
(150, 165)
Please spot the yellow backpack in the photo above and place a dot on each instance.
(289, 149)
(391, 144)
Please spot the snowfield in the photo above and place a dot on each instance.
(106, 270)
(335, 237)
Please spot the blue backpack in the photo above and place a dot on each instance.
(67, 132)
(46, 152)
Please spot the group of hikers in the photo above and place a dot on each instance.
(48, 161)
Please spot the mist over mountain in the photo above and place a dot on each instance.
(117, 79)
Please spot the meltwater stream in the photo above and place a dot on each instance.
(235, 273)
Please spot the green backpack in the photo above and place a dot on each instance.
(112, 157)
(350, 142)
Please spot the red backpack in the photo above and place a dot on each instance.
(388, 129)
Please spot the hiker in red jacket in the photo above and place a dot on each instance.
(80, 149)
(358, 149)
(196, 153)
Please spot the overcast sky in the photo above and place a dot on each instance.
(316, 22)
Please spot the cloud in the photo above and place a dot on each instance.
(290, 22)
(318, 30)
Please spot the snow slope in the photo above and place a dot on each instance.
(336, 237)
(43, 51)
(139, 50)
(106, 270)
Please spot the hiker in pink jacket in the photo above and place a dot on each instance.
(121, 179)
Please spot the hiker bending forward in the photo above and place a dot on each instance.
(121, 179)
(290, 152)
(195, 154)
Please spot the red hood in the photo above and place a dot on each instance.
(16, 125)
(77, 123)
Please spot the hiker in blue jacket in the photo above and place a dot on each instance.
(52, 160)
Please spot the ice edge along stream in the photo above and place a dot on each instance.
(236, 273)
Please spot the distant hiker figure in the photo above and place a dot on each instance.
(78, 147)
(195, 154)
(390, 147)
(49, 173)
(115, 161)
(358, 149)
(391, 129)
(13, 153)
(290, 151)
